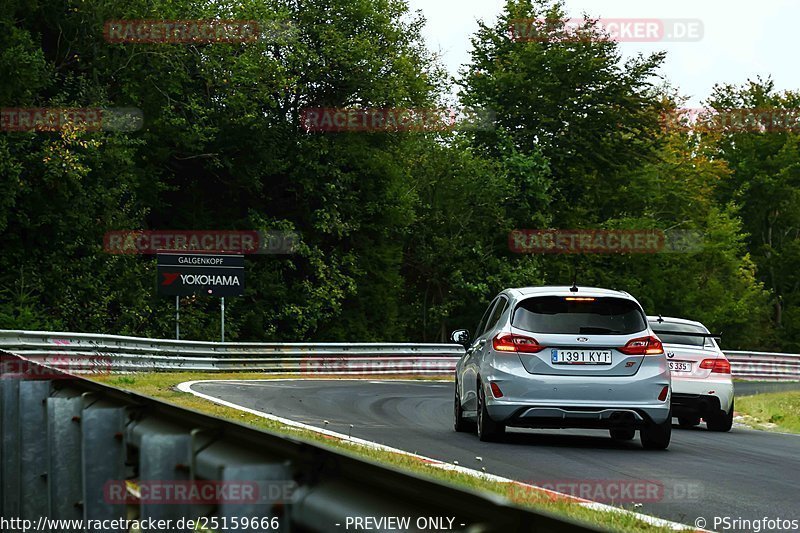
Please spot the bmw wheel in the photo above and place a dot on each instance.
(721, 422)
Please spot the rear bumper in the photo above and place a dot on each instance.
(700, 397)
(559, 401)
(578, 416)
(695, 405)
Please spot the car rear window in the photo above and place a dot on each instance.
(687, 340)
(575, 314)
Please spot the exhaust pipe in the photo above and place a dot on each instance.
(702, 406)
(622, 417)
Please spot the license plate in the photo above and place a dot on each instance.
(680, 366)
(580, 357)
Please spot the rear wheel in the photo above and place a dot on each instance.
(622, 433)
(488, 429)
(687, 422)
(460, 424)
(721, 422)
(657, 436)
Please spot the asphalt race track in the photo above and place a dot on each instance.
(742, 474)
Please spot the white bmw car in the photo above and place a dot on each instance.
(702, 386)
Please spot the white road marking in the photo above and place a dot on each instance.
(660, 522)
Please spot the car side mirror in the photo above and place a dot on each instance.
(460, 336)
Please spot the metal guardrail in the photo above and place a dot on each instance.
(66, 441)
(764, 366)
(84, 352)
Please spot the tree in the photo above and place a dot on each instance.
(595, 122)
(765, 181)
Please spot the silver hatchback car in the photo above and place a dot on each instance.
(564, 357)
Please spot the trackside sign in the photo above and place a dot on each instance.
(184, 274)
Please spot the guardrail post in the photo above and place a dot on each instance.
(272, 481)
(65, 465)
(165, 460)
(9, 453)
(103, 459)
(33, 448)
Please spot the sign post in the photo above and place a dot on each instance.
(188, 273)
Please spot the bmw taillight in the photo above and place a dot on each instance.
(643, 346)
(509, 342)
(719, 366)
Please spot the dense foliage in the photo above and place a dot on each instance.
(404, 235)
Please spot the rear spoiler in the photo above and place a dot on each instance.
(689, 334)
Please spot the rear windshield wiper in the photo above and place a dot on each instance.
(599, 331)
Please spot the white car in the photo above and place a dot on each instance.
(702, 386)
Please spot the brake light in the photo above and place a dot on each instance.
(643, 346)
(578, 299)
(719, 366)
(508, 342)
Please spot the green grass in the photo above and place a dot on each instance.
(162, 387)
(774, 411)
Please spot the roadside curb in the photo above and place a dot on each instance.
(655, 521)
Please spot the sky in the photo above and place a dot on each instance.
(740, 40)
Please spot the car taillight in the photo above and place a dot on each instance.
(643, 346)
(508, 342)
(720, 366)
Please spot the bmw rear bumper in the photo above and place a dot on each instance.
(699, 398)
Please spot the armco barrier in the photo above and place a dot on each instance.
(93, 353)
(764, 366)
(73, 449)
